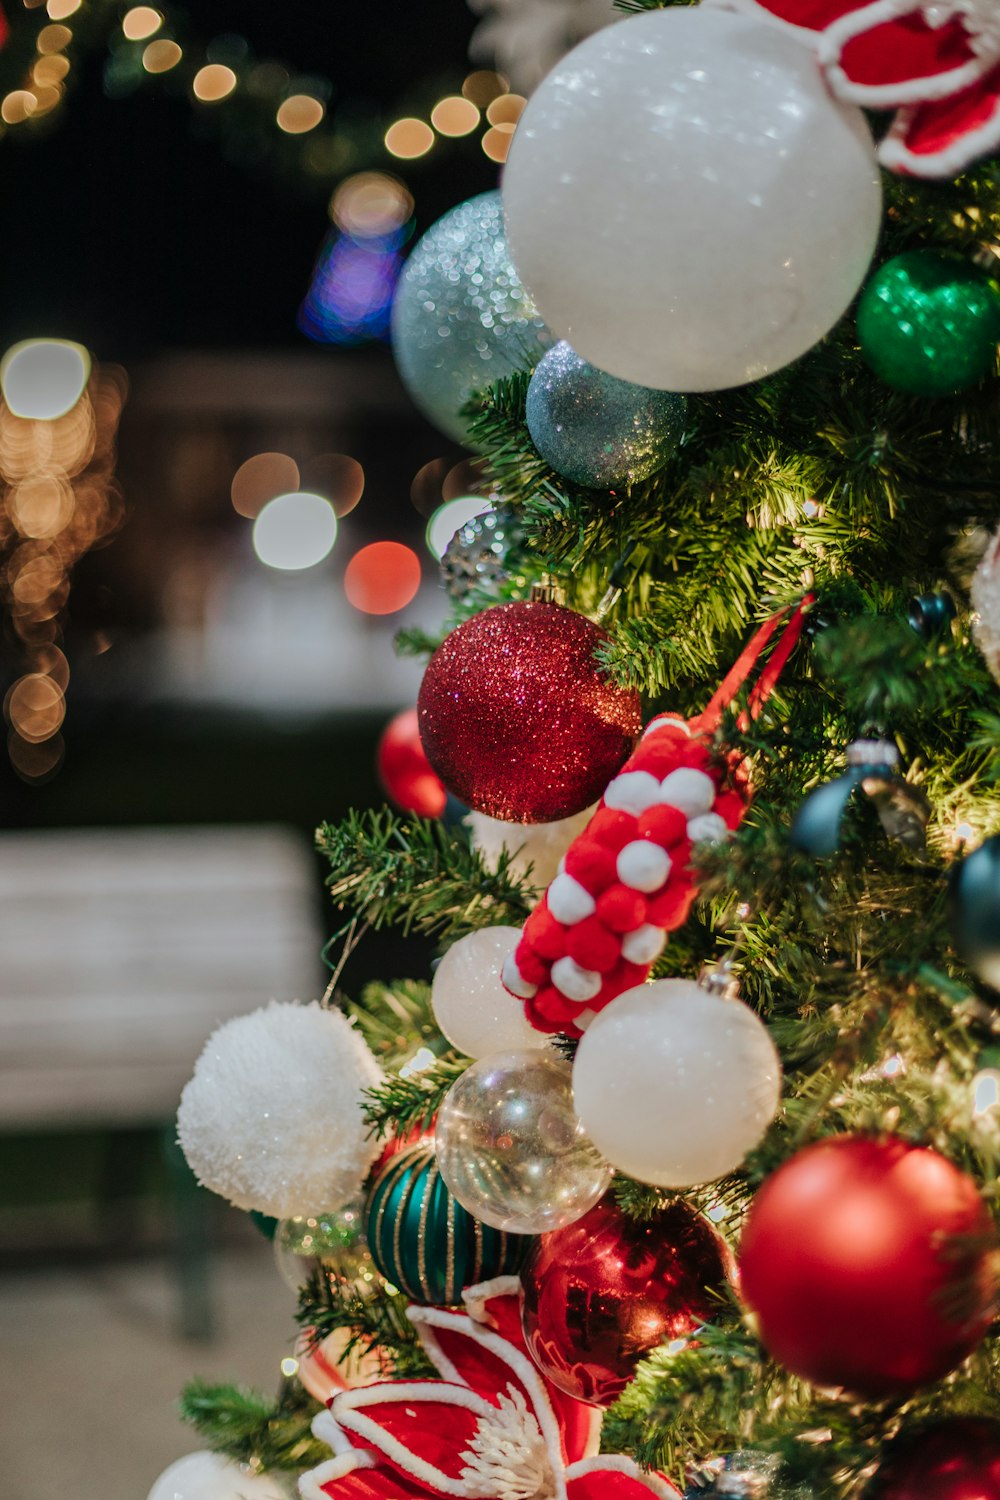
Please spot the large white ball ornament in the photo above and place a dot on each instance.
(687, 204)
(675, 1084)
(206, 1476)
(471, 1006)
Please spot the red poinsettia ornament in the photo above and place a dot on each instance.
(935, 62)
(492, 1428)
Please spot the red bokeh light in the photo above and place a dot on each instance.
(382, 578)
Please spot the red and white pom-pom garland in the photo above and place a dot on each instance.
(626, 880)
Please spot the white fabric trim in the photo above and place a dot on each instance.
(334, 1468)
(894, 153)
(330, 1432)
(416, 1393)
(886, 95)
(476, 1297)
(618, 1463)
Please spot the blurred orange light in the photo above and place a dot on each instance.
(140, 22)
(496, 142)
(213, 82)
(338, 477)
(35, 762)
(261, 478)
(382, 578)
(299, 113)
(50, 70)
(47, 96)
(59, 9)
(409, 138)
(483, 86)
(35, 707)
(454, 116)
(161, 56)
(371, 203)
(506, 110)
(53, 38)
(41, 505)
(17, 106)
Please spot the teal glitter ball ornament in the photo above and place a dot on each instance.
(597, 430)
(929, 322)
(461, 317)
(423, 1240)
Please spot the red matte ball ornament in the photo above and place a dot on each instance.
(870, 1265)
(602, 1293)
(518, 719)
(404, 770)
(958, 1459)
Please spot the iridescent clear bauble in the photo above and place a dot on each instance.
(511, 1148)
(483, 553)
(461, 317)
(334, 1240)
(595, 429)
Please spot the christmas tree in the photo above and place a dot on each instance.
(680, 1175)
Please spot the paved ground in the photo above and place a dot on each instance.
(90, 1366)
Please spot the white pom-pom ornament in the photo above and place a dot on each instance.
(533, 849)
(642, 865)
(471, 1006)
(272, 1117)
(675, 1083)
(206, 1476)
(569, 901)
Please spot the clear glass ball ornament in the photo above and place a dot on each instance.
(335, 1241)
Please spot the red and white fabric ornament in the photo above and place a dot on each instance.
(626, 881)
(935, 62)
(492, 1428)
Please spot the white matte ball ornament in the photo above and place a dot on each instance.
(272, 1117)
(206, 1476)
(470, 1004)
(675, 1084)
(533, 849)
(687, 203)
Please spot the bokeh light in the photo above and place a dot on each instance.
(260, 479)
(382, 578)
(50, 70)
(496, 142)
(213, 82)
(58, 10)
(295, 531)
(409, 138)
(41, 506)
(35, 707)
(447, 519)
(53, 38)
(35, 761)
(469, 476)
(506, 110)
(300, 113)
(160, 56)
(426, 490)
(338, 478)
(43, 378)
(19, 105)
(371, 203)
(47, 96)
(140, 22)
(454, 116)
(483, 86)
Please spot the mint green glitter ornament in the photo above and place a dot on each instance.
(929, 322)
(422, 1239)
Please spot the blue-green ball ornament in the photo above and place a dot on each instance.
(975, 910)
(595, 429)
(461, 317)
(929, 322)
(423, 1240)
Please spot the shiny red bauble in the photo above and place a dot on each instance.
(958, 1459)
(404, 769)
(601, 1294)
(518, 719)
(869, 1264)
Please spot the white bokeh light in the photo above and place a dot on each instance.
(447, 519)
(295, 531)
(43, 378)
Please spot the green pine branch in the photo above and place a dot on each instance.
(374, 1318)
(246, 1426)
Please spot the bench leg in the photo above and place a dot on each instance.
(191, 1245)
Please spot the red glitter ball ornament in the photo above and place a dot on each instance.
(601, 1294)
(869, 1264)
(958, 1459)
(404, 770)
(518, 720)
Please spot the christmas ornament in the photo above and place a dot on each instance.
(533, 850)
(335, 1241)
(701, 131)
(601, 1294)
(595, 430)
(744, 1475)
(403, 768)
(492, 1426)
(938, 66)
(627, 880)
(272, 1117)
(868, 1265)
(929, 323)
(510, 1146)
(931, 614)
(975, 910)
(483, 553)
(470, 1004)
(517, 717)
(329, 1367)
(957, 1459)
(872, 767)
(422, 1239)
(984, 592)
(460, 317)
(675, 1081)
(206, 1476)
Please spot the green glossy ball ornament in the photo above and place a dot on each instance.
(423, 1240)
(929, 322)
(975, 910)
